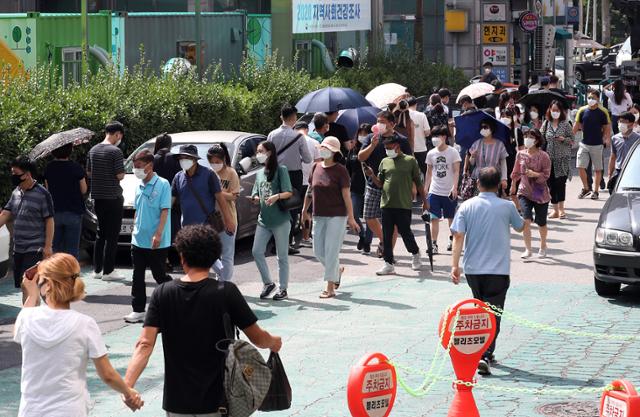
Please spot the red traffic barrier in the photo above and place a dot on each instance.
(621, 401)
(371, 390)
(472, 334)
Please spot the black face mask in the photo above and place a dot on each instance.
(16, 180)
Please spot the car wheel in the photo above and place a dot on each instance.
(606, 289)
(580, 75)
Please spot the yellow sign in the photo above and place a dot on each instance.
(494, 33)
(456, 21)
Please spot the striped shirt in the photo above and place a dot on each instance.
(29, 210)
(104, 162)
(488, 156)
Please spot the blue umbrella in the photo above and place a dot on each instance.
(468, 129)
(331, 99)
(351, 119)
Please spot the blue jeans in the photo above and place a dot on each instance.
(358, 207)
(227, 256)
(328, 235)
(66, 237)
(281, 235)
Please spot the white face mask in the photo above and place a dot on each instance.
(139, 173)
(217, 167)
(592, 102)
(382, 128)
(437, 141)
(485, 132)
(325, 153)
(186, 164)
(487, 70)
(529, 142)
(361, 139)
(534, 115)
(623, 127)
(118, 143)
(391, 153)
(555, 115)
(262, 158)
(636, 128)
(506, 121)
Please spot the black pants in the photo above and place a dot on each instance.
(22, 262)
(421, 157)
(400, 218)
(109, 213)
(493, 290)
(142, 259)
(296, 182)
(557, 188)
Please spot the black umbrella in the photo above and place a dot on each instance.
(331, 99)
(427, 227)
(543, 98)
(76, 136)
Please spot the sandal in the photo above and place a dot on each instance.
(325, 294)
(336, 285)
(563, 215)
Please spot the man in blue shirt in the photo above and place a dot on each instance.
(621, 144)
(482, 224)
(151, 236)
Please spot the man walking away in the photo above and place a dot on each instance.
(189, 313)
(397, 175)
(482, 224)
(422, 130)
(292, 151)
(151, 236)
(105, 168)
(31, 210)
(595, 123)
(336, 129)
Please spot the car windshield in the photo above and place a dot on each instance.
(202, 152)
(630, 178)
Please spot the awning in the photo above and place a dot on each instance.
(563, 34)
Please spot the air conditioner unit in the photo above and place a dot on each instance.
(549, 35)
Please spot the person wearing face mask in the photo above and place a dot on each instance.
(271, 185)
(332, 212)
(594, 122)
(487, 152)
(558, 135)
(619, 101)
(220, 163)
(635, 110)
(30, 208)
(532, 118)
(302, 127)
(421, 131)
(621, 144)
(397, 175)
(532, 169)
(358, 183)
(57, 343)
(105, 169)
(488, 76)
(151, 237)
(441, 183)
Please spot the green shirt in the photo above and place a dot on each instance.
(398, 176)
(272, 216)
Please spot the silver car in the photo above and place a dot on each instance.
(242, 149)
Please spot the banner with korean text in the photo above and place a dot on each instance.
(313, 16)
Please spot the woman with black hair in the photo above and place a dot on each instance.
(619, 101)
(358, 183)
(486, 152)
(220, 162)
(272, 185)
(436, 115)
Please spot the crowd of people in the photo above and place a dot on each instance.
(315, 182)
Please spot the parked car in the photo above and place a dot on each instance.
(616, 250)
(5, 243)
(242, 149)
(592, 70)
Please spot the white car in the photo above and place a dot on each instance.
(5, 242)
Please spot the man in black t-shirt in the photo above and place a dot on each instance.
(189, 314)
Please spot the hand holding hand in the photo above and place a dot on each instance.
(133, 400)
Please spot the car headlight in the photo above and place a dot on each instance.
(614, 238)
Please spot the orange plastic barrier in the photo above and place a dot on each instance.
(371, 390)
(621, 401)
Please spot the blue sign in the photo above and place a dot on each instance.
(502, 73)
(573, 14)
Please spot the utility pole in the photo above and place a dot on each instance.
(198, 10)
(580, 17)
(594, 21)
(417, 30)
(84, 18)
(606, 22)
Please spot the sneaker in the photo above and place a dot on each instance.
(293, 250)
(595, 196)
(112, 277)
(416, 263)
(360, 244)
(306, 243)
(267, 290)
(387, 269)
(491, 359)
(134, 317)
(450, 244)
(526, 254)
(281, 295)
(483, 367)
(584, 193)
(542, 253)
(435, 247)
(366, 247)
(97, 275)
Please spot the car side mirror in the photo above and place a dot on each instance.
(245, 164)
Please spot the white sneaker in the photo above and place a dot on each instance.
(134, 317)
(97, 275)
(542, 253)
(113, 277)
(416, 263)
(526, 254)
(387, 269)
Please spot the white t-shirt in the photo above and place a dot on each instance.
(421, 130)
(618, 109)
(442, 179)
(315, 154)
(56, 347)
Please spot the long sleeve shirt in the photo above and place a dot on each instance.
(296, 154)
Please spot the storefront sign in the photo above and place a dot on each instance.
(314, 16)
(371, 390)
(528, 21)
(573, 14)
(494, 34)
(502, 73)
(497, 55)
(495, 12)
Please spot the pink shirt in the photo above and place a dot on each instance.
(534, 189)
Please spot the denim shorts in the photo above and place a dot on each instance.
(541, 209)
(442, 207)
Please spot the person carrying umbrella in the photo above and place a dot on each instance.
(487, 152)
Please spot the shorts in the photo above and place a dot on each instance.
(541, 209)
(442, 207)
(372, 197)
(591, 153)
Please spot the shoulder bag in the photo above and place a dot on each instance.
(292, 203)
(214, 219)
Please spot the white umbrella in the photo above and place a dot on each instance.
(476, 90)
(625, 52)
(385, 94)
